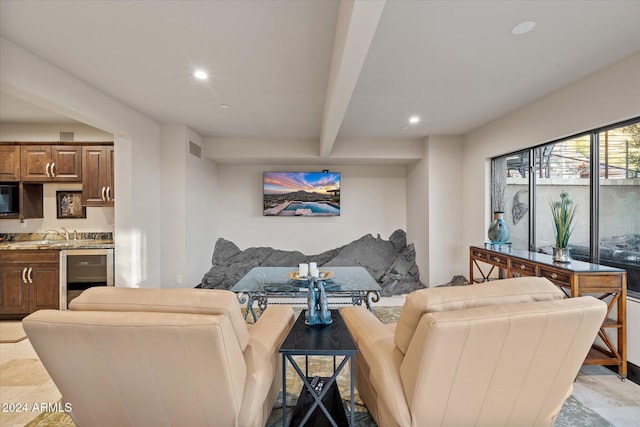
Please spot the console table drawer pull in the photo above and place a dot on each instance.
(523, 267)
(496, 259)
(554, 276)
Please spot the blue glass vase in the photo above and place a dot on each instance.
(498, 229)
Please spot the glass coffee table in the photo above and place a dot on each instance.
(343, 285)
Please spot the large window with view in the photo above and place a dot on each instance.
(607, 203)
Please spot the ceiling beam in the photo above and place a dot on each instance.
(356, 27)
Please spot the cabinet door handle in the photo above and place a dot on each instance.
(554, 276)
(109, 193)
(24, 275)
(29, 275)
(46, 169)
(103, 191)
(53, 173)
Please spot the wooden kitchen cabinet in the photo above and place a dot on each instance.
(98, 172)
(30, 281)
(30, 202)
(9, 163)
(575, 279)
(51, 163)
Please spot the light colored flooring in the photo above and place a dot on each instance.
(25, 385)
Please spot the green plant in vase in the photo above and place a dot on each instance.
(563, 212)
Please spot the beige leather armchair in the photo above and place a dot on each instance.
(162, 357)
(503, 353)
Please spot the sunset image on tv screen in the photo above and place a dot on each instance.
(301, 194)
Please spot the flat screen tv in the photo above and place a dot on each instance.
(311, 194)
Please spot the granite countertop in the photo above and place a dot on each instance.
(57, 244)
(52, 241)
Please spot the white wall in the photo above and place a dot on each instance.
(202, 229)
(189, 224)
(173, 204)
(136, 141)
(606, 97)
(418, 212)
(446, 258)
(372, 200)
(603, 98)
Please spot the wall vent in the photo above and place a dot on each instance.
(195, 149)
(67, 136)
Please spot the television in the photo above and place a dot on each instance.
(306, 194)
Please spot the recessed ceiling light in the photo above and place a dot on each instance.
(200, 75)
(523, 28)
(414, 119)
(225, 106)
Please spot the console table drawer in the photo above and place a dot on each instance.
(558, 277)
(523, 268)
(499, 260)
(480, 255)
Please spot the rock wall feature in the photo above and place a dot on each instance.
(390, 262)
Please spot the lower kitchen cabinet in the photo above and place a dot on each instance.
(30, 281)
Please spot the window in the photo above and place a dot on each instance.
(563, 167)
(619, 201)
(607, 223)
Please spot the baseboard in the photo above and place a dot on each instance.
(633, 372)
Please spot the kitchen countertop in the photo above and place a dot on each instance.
(56, 244)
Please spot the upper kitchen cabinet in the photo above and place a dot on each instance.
(9, 163)
(51, 163)
(97, 172)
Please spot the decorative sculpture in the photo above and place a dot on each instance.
(317, 304)
(519, 209)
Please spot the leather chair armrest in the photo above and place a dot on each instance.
(263, 361)
(375, 343)
(272, 327)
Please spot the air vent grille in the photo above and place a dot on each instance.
(195, 149)
(67, 136)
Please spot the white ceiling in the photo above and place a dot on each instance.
(318, 70)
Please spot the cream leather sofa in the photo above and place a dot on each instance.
(162, 357)
(503, 353)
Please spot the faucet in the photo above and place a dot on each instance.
(64, 232)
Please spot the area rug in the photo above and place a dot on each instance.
(11, 331)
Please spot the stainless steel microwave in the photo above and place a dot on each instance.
(9, 202)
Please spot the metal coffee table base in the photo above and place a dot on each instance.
(262, 298)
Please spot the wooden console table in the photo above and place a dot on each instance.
(575, 279)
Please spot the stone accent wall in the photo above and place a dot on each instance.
(390, 262)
